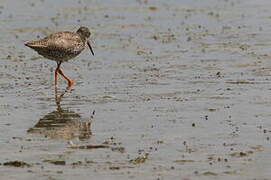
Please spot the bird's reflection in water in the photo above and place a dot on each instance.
(62, 123)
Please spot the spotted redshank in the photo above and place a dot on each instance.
(61, 47)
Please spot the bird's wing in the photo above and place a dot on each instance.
(62, 40)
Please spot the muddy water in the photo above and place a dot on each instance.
(177, 90)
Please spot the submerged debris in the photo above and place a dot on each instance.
(17, 164)
(118, 149)
(241, 154)
(208, 173)
(184, 161)
(89, 146)
(56, 162)
(140, 160)
(81, 163)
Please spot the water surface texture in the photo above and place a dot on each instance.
(177, 89)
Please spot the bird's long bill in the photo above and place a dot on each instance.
(90, 47)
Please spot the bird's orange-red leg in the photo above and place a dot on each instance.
(58, 70)
(70, 81)
(56, 73)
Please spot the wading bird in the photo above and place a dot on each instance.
(61, 47)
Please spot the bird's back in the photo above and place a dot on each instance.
(60, 46)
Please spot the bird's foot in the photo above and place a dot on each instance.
(70, 83)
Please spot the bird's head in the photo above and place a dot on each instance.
(85, 34)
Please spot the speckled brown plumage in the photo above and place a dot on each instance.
(61, 47)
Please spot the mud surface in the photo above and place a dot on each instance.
(177, 89)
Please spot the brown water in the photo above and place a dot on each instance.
(177, 89)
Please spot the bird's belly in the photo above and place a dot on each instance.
(59, 55)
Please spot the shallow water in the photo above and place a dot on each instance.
(179, 89)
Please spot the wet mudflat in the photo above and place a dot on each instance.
(177, 90)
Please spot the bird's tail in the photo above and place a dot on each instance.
(34, 44)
